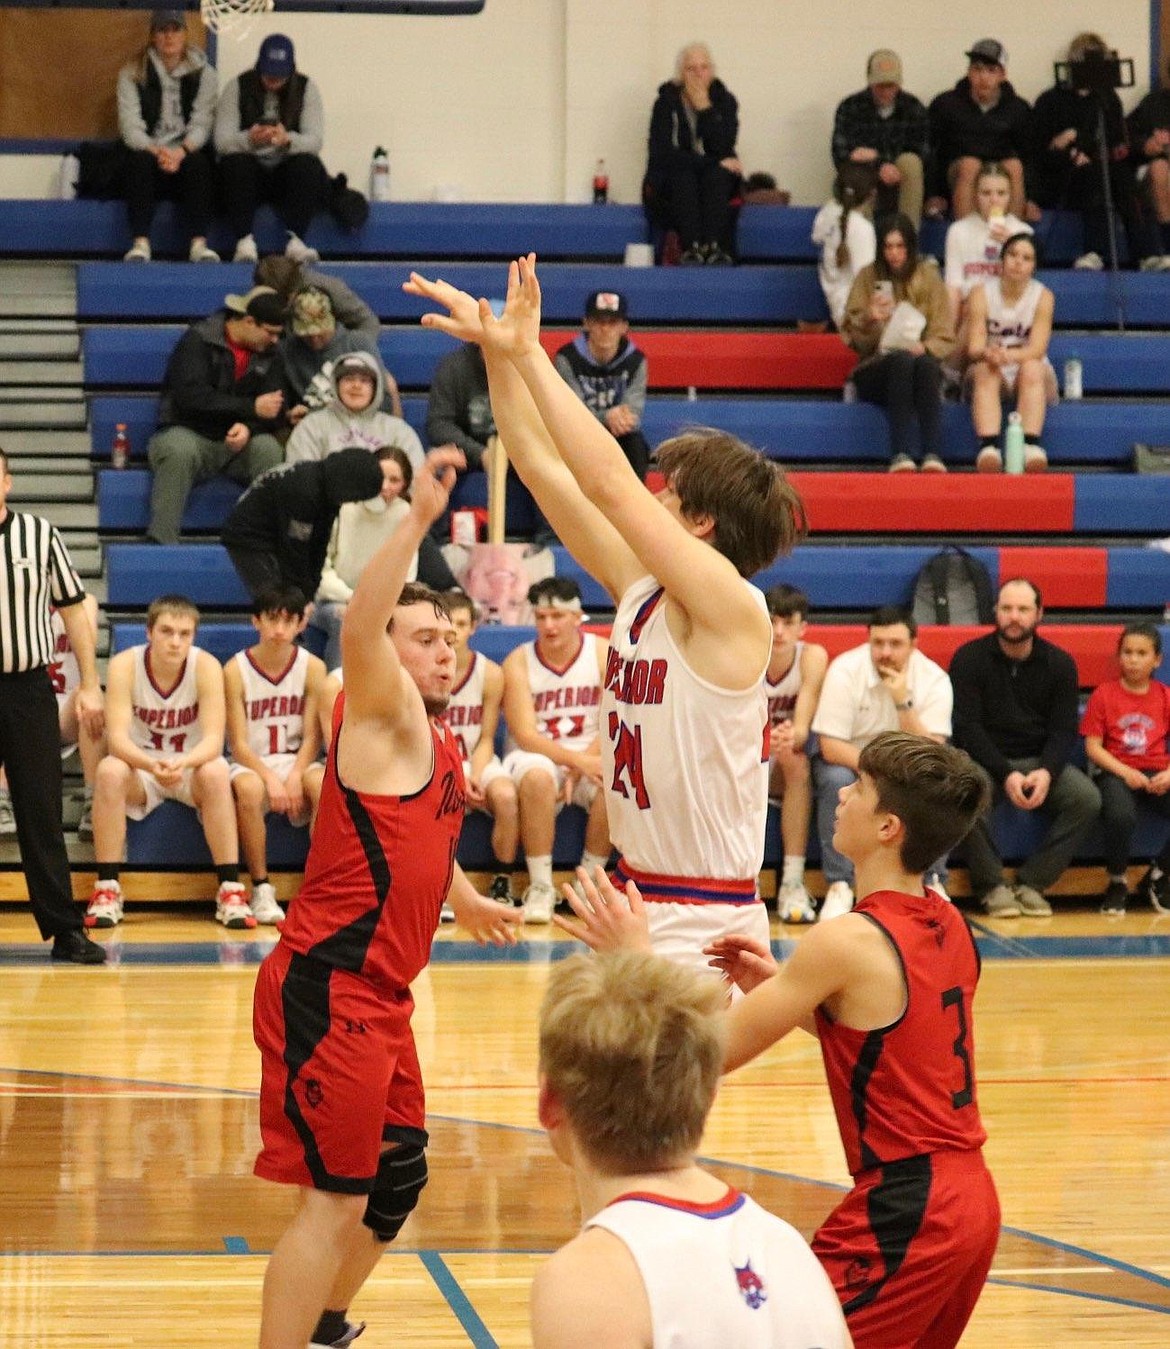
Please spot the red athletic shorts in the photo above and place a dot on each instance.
(909, 1247)
(339, 1074)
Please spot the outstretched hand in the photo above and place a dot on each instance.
(609, 921)
(514, 334)
(744, 962)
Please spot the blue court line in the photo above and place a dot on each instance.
(1084, 1293)
(448, 1285)
(236, 1246)
(1122, 1265)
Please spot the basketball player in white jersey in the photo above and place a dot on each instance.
(631, 1048)
(473, 713)
(792, 683)
(271, 691)
(684, 717)
(165, 726)
(552, 698)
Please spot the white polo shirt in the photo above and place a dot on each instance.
(856, 706)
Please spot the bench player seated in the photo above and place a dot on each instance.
(552, 700)
(272, 690)
(164, 728)
(473, 713)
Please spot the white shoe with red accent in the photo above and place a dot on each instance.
(105, 905)
(231, 907)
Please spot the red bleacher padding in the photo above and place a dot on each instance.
(932, 502)
(736, 360)
(1068, 578)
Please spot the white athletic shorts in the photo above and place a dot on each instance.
(280, 765)
(156, 793)
(521, 762)
(492, 770)
(679, 932)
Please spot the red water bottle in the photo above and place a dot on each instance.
(120, 449)
(600, 184)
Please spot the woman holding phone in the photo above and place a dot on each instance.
(898, 320)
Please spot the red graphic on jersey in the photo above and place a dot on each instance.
(627, 762)
(751, 1286)
(174, 742)
(56, 676)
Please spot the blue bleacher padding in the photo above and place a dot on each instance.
(1122, 503)
(171, 837)
(138, 572)
(223, 640)
(1117, 362)
(1138, 578)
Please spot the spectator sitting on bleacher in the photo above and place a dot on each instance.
(886, 128)
(351, 415)
(609, 374)
(312, 342)
(1149, 147)
(166, 106)
(269, 129)
(459, 411)
(1125, 728)
(221, 403)
(165, 727)
(898, 321)
(289, 278)
(1016, 716)
(886, 685)
(1066, 165)
(981, 119)
(845, 235)
(792, 682)
(693, 171)
(1010, 323)
(278, 532)
(271, 692)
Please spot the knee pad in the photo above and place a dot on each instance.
(401, 1176)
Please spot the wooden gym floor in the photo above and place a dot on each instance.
(129, 1215)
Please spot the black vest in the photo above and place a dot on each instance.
(150, 95)
(291, 99)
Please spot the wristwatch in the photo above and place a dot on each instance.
(905, 707)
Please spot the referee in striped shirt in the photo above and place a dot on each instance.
(36, 572)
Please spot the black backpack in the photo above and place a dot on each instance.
(953, 587)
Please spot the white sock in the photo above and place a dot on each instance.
(591, 861)
(793, 873)
(540, 870)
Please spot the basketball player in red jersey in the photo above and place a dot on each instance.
(342, 1113)
(888, 990)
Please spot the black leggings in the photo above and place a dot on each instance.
(144, 183)
(906, 386)
(1119, 812)
(296, 187)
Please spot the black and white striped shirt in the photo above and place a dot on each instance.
(35, 572)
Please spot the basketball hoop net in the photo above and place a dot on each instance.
(233, 16)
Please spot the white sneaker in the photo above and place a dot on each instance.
(299, 251)
(988, 460)
(351, 1334)
(201, 253)
(794, 905)
(264, 907)
(539, 902)
(105, 905)
(231, 907)
(7, 819)
(446, 913)
(246, 250)
(838, 899)
(1090, 262)
(1035, 459)
(139, 251)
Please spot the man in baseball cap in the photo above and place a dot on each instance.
(982, 118)
(609, 374)
(884, 126)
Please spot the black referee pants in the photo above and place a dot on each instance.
(30, 750)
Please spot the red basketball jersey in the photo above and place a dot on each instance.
(378, 871)
(910, 1089)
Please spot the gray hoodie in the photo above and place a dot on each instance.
(335, 427)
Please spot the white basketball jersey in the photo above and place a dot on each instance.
(725, 1274)
(164, 724)
(566, 702)
(64, 671)
(782, 694)
(464, 712)
(685, 763)
(274, 708)
(1010, 325)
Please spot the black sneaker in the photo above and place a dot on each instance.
(501, 890)
(1114, 898)
(1156, 889)
(75, 947)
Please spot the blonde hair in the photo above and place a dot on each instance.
(681, 59)
(632, 1046)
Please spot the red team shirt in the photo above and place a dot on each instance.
(1131, 726)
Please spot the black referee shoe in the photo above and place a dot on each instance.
(77, 948)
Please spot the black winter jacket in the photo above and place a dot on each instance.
(672, 146)
(200, 389)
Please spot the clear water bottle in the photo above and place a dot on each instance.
(600, 184)
(380, 175)
(1073, 378)
(1013, 445)
(120, 448)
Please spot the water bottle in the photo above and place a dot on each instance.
(380, 175)
(1013, 445)
(600, 184)
(1073, 387)
(120, 448)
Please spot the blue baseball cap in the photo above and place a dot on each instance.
(277, 58)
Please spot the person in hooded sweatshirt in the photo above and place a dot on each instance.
(166, 107)
(278, 531)
(352, 415)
